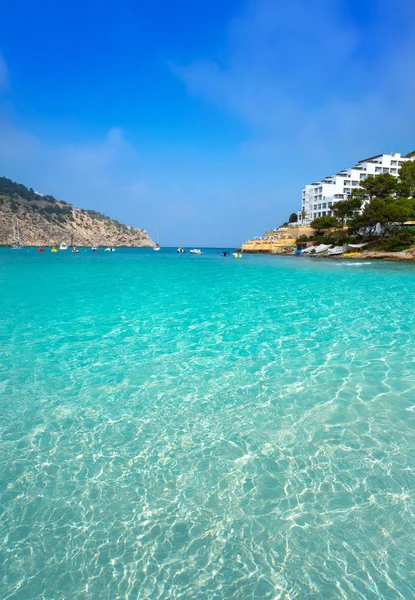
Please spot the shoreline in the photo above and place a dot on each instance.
(401, 256)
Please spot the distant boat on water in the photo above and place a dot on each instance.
(195, 251)
(180, 250)
(63, 246)
(109, 249)
(18, 238)
(157, 246)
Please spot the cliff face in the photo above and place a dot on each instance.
(46, 221)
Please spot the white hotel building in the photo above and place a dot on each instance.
(318, 197)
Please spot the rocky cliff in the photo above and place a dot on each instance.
(47, 221)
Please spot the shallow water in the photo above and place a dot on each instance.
(177, 426)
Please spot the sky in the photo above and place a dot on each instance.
(203, 120)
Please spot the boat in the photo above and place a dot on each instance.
(298, 252)
(237, 255)
(63, 246)
(94, 249)
(195, 251)
(109, 249)
(74, 250)
(225, 253)
(18, 238)
(336, 251)
(156, 248)
(180, 250)
(41, 249)
(54, 249)
(321, 248)
(351, 254)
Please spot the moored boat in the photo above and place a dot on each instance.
(54, 249)
(180, 250)
(320, 248)
(336, 251)
(63, 246)
(18, 238)
(195, 251)
(156, 248)
(74, 250)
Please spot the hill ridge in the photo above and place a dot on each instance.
(48, 221)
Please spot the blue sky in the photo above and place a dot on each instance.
(204, 119)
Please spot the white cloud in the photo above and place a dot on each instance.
(309, 81)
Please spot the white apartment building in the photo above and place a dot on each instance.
(318, 197)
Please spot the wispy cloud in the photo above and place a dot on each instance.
(310, 81)
(4, 74)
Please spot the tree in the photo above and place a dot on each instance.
(347, 208)
(377, 186)
(293, 218)
(383, 212)
(407, 179)
(327, 222)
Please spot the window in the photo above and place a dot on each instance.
(324, 205)
(319, 206)
(385, 170)
(330, 204)
(393, 171)
(378, 170)
(394, 163)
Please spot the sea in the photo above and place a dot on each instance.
(189, 427)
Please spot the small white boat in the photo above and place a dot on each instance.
(318, 249)
(63, 246)
(195, 251)
(18, 239)
(156, 248)
(109, 249)
(336, 251)
(180, 250)
(74, 250)
(94, 249)
(237, 255)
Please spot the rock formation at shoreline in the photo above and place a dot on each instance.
(47, 221)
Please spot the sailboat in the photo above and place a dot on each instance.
(18, 238)
(157, 246)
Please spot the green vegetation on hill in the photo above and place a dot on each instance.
(59, 209)
(45, 220)
(11, 188)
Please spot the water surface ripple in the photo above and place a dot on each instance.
(191, 427)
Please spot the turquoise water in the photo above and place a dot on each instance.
(180, 427)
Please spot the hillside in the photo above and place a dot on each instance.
(46, 221)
